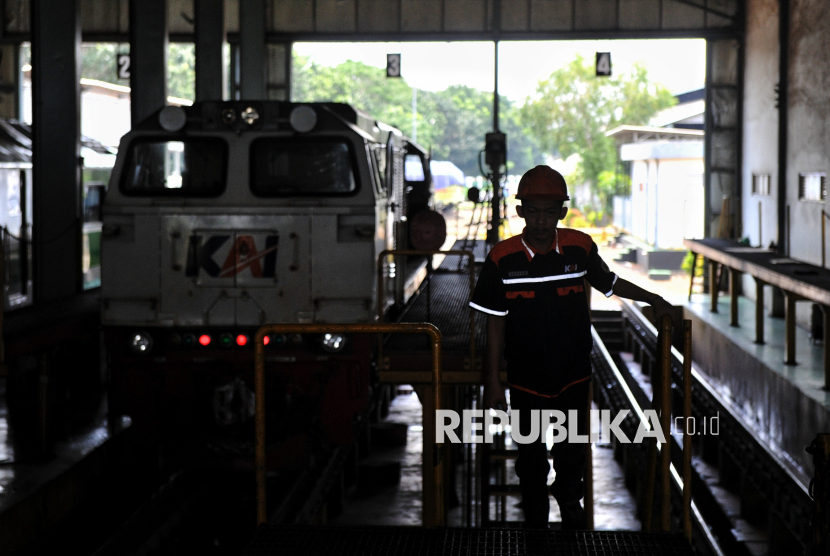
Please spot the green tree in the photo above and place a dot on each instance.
(451, 122)
(98, 61)
(572, 109)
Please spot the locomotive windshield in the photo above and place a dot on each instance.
(292, 166)
(193, 167)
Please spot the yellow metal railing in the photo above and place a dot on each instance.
(661, 399)
(429, 432)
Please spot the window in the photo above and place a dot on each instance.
(282, 167)
(414, 168)
(184, 168)
(811, 186)
(379, 153)
(760, 184)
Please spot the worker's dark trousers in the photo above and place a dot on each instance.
(532, 465)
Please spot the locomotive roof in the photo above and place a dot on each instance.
(272, 115)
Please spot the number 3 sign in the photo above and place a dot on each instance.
(393, 65)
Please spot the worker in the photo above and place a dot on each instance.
(532, 289)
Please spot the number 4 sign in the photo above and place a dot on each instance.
(603, 64)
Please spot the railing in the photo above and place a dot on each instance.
(770, 483)
(426, 253)
(824, 217)
(661, 397)
(429, 432)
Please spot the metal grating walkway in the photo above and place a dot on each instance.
(442, 301)
(310, 540)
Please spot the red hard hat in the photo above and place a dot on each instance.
(542, 183)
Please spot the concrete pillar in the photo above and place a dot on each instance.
(210, 38)
(56, 55)
(252, 54)
(721, 183)
(148, 57)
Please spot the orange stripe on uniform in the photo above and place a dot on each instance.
(575, 237)
(567, 290)
(526, 295)
(506, 247)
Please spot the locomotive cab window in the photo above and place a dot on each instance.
(288, 166)
(414, 168)
(192, 167)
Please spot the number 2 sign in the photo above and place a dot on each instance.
(123, 66)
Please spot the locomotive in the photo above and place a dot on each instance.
(223, 216)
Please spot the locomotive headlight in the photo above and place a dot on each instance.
(141, 342)
(303, 119)
(333, 343)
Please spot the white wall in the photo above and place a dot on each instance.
(105, 117)
(667, 201)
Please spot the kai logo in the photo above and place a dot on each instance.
(232, 255)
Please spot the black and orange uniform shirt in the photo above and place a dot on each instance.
(548, 329)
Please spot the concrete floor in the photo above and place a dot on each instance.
(401, 504)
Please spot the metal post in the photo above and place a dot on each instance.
(760, 229)
(148, 58)
(820, 493)
(713, 285)
(56, 47)
(589, 467)
(665, 422)
(826, 345)
(495, 204)
(692, 277)
(734, 277)
(687, 439)
(823, 239)
(437, 519)
(3, 368)
(252, 49)
(210, 38)
(759, 311)
(789, 321)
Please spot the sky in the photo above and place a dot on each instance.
(679, 64)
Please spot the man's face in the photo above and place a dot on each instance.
(541, 218)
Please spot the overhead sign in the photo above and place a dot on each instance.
(393, 65)
(122, 66)
(603, 64)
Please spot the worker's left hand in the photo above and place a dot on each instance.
(662, 307)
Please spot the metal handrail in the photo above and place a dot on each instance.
(259, 392)
(663, 396)
(687, 438)
(425, 253)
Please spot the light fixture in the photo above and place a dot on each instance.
(303, 119)
(172, 118)
(141, 342)
(333, 343)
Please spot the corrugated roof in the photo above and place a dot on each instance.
(16, 143)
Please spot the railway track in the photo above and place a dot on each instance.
(748, 499)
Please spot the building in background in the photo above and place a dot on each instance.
(665, 162)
